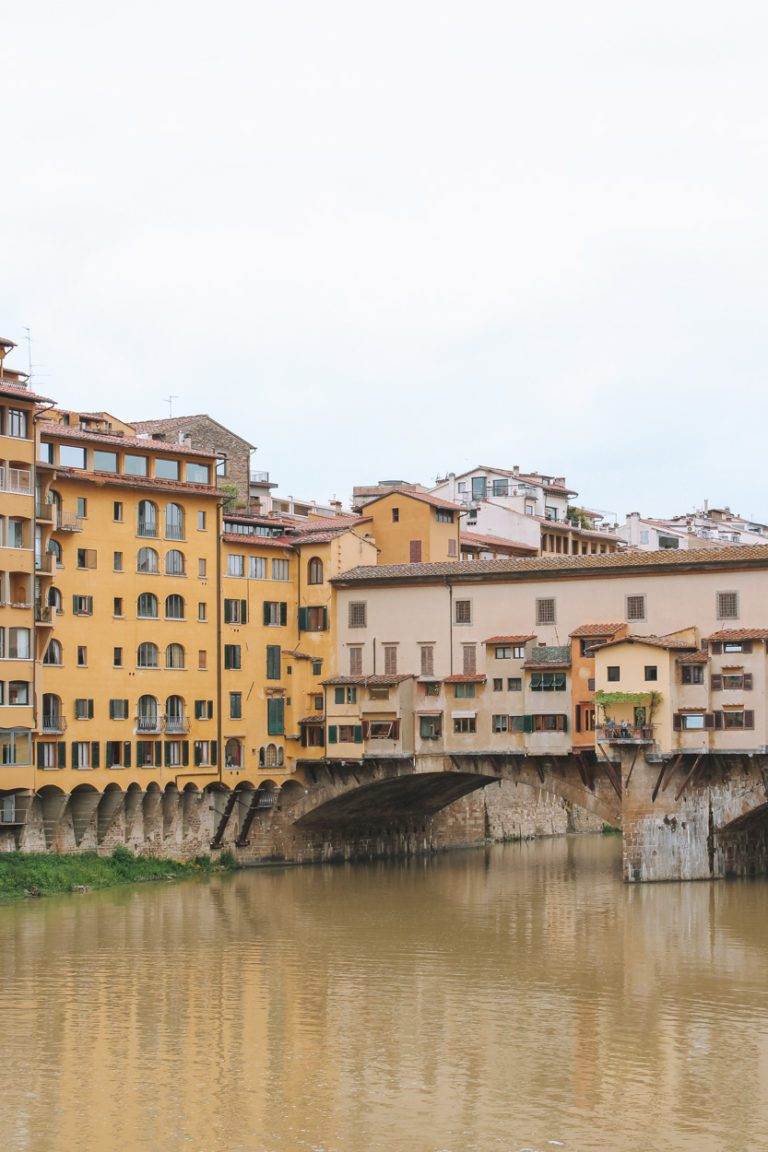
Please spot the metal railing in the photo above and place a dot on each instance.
(259, 477)
(174, 532)
(147, 529)
(53, 724)
(150, 724)
(625, 733)
(44, 563)
(44, 512)
(179, 725)
(43, 614)
(17, 480)
(66, 522)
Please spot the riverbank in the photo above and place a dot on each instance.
(24, 874)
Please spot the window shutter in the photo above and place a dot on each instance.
(62, 754)
(210, 709)
(243, 611)
(127, 754)
(303, 621)
(527, 723)
(709, 720)
(75, 758)
(719, 720)
(338, 695)
(197, 754)
(266, 611)
(90, 709)
(94, 754)
(717, 648)
(677, 722)
(109, 754)
(333, 734)
(748, 681)
(112, 709)
(358, 733)
(158, 754)
(40, 750)
(214, 752)
(283, 612)
(565, 723)
(167, 753)
(185, 753)
(746, 646)
(749, 718)
(716, 682)
(324, 613)
(415, 552)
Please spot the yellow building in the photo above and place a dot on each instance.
(413, 527)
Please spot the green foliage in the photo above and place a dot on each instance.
(41, 874)
(650, 698)
(609, 830)
(577, 517)
(228, 861)
(229, 492)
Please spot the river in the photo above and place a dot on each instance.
(482, 1001)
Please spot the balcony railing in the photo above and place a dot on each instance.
(44, 563)
(17, 480)
(178, 725)
(625, 734)
(148, 529)
(152, 725)
(550, 654)
(53, 724)
(43, 614)
(173, 532)
(66, 522)
(259, 477)
(44, 513)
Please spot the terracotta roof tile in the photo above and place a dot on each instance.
(740, 634)
(179, 423)
(670, 642)
(597, 629)
(523, 567)
(281, 542)
(497, 542)
(369, 681)
(144, 482)
(465, 678)
(62, 431)
(417, 494)
(19, 392)
(318, 718)
(694, 658)
(509, 639)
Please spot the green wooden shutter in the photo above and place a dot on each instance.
(75, 759)
(167, 754)
(197, 754)
(283, 612)
(273, 662)
(214, 752)
(243, 611)
(40, 755)
(333, 734)
(325, 619)
(275, 717)
(338, 695)
(62, 754)
(358, 733)
(95, 754)
(126, 754)
(303, 619)
(527, 723)
(185, 753)
(266, 611)
(158, 754)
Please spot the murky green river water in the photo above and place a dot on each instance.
(490, 1001)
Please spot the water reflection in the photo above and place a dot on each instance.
(477, 1001)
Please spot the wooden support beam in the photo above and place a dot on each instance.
(612, 774)
(688, 778)
(660, 777)
(632, 765)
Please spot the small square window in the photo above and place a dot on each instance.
(635, 607)
(117, 606)
(651, 672)
(463, 612)
(614, 673)
(117, 561)
(202, 610)
(82, 655)
(117, 657)
(395, 515)
(727, 605)
(82, 507)
(545, 611)
(201, 568)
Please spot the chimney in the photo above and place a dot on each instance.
(336, 505)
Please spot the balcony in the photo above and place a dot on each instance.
(177, 725)
(66, 522)
(549, 654)
(147, 529)
(44, 563)
(150, 725)
(43, 614)
(18, 480)
(625, 734)
(53, 724)
(259, 477)
(44, 513)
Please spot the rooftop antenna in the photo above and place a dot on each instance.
(169, 401)
(29, 350)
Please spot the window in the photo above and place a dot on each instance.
(86, 558)
(235, 565)
(118, 709)
(147, 656)
(651, 672)
(82, 605)
(427, 659)
(235, 611)
(692, 674)
(202, 659)
(166, 469)
(146, 560)
(53, 653)
(134, 465)
(221, 466)
(202, 611)
(692, 721)
(83, 709)
(509, 652)
(733, 719)
(235, 705)
(613, 673)
(318, 702)
(18, 692)
(232, 656)
(273, 661)
(174, 563)
(201, 521)
(174, 656)
(146, 606)
(257, 567)
(464, 724)
(390, 659)
(444, 516)
(203, 752)
(358, 614)
(82, 656)
(395, 515)
(355, 661)
(669, 542)
(548, 723)
(514, 684)
(464, 691)
(15, 747)
(202, 567)
(85, 754)
(548, 681)
(280, 569)
(19, 644)
(145, 753)
(105, 462)
(16, 423)
(645, 536)
(174, 607)
(276, 716)
(345, 694)
(378, 693)
(174, 522)
(118, 754)
(71, 457)
(45, 452)
(727, 605)
(452, 547)
(430, 727)
(315, 571)
(81, 507)
(463, 612)
(499, 724)
(414, 554)
(550, 512)
(545, 611)
(117, 657)
(197, 473)
(117, 561)
(498, 684)
(313, 619)
(204, 709)
(530, 509)
(635, 607)
(275, 613)
(317, 667)
(147, 518)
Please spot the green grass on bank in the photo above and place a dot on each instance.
(32, 874)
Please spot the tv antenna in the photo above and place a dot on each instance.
(29, 350)
(169, 401)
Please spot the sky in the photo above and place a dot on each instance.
(395, 240)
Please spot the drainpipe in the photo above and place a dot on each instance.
(219, 653)
(450, 626)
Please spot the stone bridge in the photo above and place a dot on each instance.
(683, 817)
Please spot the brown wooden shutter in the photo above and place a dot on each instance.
(415, 551)
(746, 646)
(719, 720)
(709, 720)
(748, 681)
(717, 647)
(677, 722)
(749, 718)
(716, 682)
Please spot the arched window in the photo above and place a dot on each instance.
(146, 561)
(175, 721)
(174, 522)
(52, 717)
(174, 607)
(261, 756)
(146, 715)
(315, 571)
(147, 656)
(54, 599)
(55, 550)
(270, 760)
(174, 563)
(146, 606)
(233, 753)
(280, 757)
(174, 656)
(147, 522)
(53, 652)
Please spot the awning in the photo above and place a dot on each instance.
(431, 712)
(463, 715)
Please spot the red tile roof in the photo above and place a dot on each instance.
(179, 424)
(694, 658)
(553, 566)
(19, 392)
(498, 542)
(597, 629)
(318, 718)
(369, 681)
(416, 494)
(465, 678)
(740, 634)
(112, 480)
(590, 533)
(281, 542)
(671, 642)
(509, 639)
(61, 431)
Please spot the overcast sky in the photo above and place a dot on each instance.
(393, 240)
